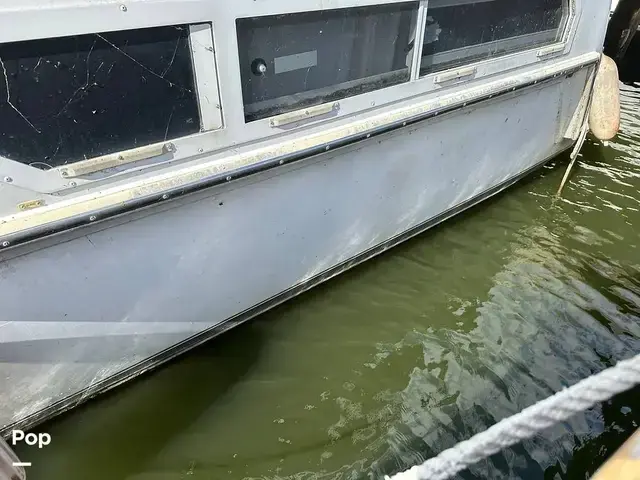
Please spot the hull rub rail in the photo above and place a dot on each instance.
(21, 236)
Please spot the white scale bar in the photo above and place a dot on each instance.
(21, 464)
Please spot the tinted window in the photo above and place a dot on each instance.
(463, 31)
(292, 61)
(67, 99)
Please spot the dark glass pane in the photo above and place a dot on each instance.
(84, 96)
(292, 61)
(459, 32)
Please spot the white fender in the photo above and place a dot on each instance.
(604, 116)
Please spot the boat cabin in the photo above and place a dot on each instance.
(102, 92)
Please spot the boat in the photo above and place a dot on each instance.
(622, 42)
(172, 168)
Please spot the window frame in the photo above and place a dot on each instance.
(416, 86)
(525, 55)
(346, 5)
(103, 18)
(234, 134)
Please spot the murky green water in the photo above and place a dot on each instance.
(406, 355)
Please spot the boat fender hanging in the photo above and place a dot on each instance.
(604, 116)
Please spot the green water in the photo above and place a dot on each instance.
(406, 355)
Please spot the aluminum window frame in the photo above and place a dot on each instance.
(417, 85)
(314, 7)
(234, 132)
(543, 52)
(109, 18)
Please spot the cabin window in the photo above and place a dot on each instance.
(292, 61)
(464, 31)
(67, 99)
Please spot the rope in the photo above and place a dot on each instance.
(526, 424)
(574, 154)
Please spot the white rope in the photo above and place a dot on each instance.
(527, 423)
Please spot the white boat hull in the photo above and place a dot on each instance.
(84, 314)
(138, 271)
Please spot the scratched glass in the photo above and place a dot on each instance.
(66, 99)
(464, 31)
(293, 61)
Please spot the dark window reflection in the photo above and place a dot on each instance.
(471, 31)
(292, 61)
(67, 99)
